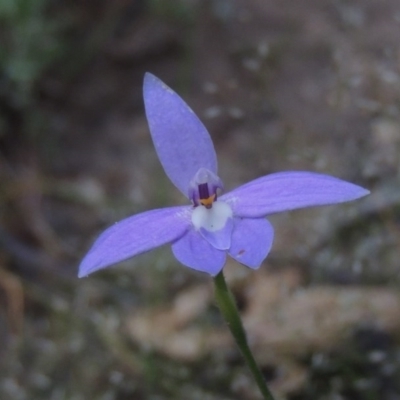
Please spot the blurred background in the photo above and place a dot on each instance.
(281, 85)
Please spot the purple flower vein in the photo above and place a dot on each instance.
(213, 225)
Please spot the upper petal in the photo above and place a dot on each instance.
(136, 235)
(182, 142)
(251, 241)
(195, 252)
(289, 190)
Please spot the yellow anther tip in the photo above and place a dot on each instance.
(208, 201)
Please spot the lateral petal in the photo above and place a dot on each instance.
(251, 241)
(196, 253)
(286, 191)
(135, 235)
(182, 142)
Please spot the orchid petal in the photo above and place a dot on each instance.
(251, 241)
(182, 142)
(220, 239)
(195, 252)
(215, 224)
(135, 235)
(286, 191)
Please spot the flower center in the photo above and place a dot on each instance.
(203, 188)
(205, 198)
(211, 219)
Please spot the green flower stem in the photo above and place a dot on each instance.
(228, 308)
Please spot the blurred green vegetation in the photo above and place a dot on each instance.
(30, 43)
(38, 37)
(178, 10)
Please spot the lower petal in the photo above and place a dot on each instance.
(251, 241)
(195, 252)
(221, 239)
(215, 224)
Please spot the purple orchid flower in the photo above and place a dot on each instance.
(214, 225)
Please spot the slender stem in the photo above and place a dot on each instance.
(228, 308)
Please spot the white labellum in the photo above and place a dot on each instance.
(212, 219)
